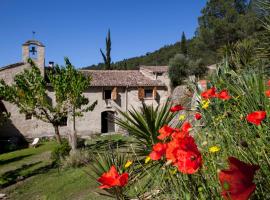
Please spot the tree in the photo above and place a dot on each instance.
(4, 115)
(226, 21)
(178, 69)
(107, 57)
(29, 94)
(183, 44)
(77, 103)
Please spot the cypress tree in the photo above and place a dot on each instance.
(107, 57)
(183, 44)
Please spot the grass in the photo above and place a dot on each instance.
(28, 174)
(18, 165)
(57, 185)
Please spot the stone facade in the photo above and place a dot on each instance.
(127, 96)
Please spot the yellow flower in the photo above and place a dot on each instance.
(214, 149)
(182, 117)
(205, 104)
(128, 163)
(173, 171)
(147, 159)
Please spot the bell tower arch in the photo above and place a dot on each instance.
(36, 51)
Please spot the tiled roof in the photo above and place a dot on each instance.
(12, 66)
(120, 78)
(155, 68)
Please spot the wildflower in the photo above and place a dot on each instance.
(210, 93)
(184, 154)
(268, 83)
(205, 104)
(165, 132)
(128, 163)
(198, 116)
(224, 95)
(267, 93)
(236, 181)
(182, 117)
(173, 171)
(214, 149)
(112, 178)
(186, 126)
(176, 108)
(256, 117)
(159, 150)
(147, 159)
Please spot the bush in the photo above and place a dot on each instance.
(60, 152)
(180, 67)
(77, 158)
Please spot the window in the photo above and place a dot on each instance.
(148, 93)
(63, 121)
(107, 94)
(28, 116)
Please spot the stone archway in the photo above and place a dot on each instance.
(107, 122)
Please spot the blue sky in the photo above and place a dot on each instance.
(77, 28)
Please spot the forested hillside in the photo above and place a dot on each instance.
(222, 22)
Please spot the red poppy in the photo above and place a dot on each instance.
(179, 135)
(112, 178)
(165, 132)
(236, 181)
(159, 150)
(224, 95)
(184, 154)
(211, 93)
(198, 116)
(176, 108)
(256, 117)
(186, 126)
(268, 83)
(267, 93)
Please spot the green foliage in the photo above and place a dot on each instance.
(180, 67)
(144, 124)
(107, 57)
(183, 44)
(242, 54)
(60, 152)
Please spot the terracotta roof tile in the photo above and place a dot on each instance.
(120, 78)
(12, 66)
(155, 68)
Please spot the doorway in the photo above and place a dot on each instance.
(107, 122)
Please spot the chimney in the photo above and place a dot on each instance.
(51, 64)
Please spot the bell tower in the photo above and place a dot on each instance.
(36, 51)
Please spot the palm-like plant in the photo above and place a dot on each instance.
(143, 125)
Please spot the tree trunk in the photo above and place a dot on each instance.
(73, 135)
(57, 134)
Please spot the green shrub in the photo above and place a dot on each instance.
(78, 158)
(60, 152)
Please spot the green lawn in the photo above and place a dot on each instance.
(20, 164)
(56, 185)
(28, 174)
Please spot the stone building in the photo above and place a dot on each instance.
(114, 89)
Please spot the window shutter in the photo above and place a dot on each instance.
(155, 93)
(141, 93)
(114, 93)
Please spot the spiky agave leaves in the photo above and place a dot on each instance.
(144, 124)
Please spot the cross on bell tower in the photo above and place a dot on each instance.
(36, 51)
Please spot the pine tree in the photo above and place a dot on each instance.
(107, 57)
(184, 44)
